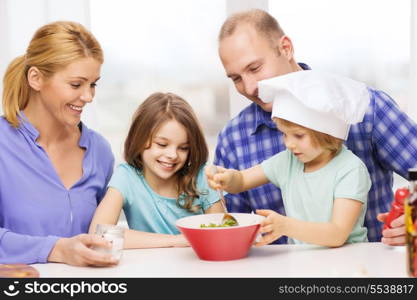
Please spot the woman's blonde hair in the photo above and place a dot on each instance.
(157, 109)
(320, 139)
(53, 47)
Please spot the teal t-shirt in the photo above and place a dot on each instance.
(310, 196)
(147, 211)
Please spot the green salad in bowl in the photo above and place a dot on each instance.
(225, 223)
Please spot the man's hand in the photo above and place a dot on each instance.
(394, 236)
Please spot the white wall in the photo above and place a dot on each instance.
(20, 18)
(237, 101)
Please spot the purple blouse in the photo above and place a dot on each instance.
(35, 207)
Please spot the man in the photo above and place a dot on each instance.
(253, 47)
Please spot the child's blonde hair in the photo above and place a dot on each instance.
(148, 118)
(320, 139)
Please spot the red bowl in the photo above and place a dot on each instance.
(220, 243)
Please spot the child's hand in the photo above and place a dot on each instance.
(271, 228)
(222, 179)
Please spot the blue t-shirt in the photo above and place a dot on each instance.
(147, 211)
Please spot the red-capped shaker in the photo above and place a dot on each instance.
(397, 206)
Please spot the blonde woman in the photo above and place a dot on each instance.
(54, 168)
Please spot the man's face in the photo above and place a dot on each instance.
(249, 57)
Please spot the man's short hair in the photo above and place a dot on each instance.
(262, 22)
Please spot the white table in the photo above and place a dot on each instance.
(354, 260)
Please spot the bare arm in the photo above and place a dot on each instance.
(135, 239)
(215, 208)
(330, 234)
(234, 181)
(253, 177)
(108, 212)
(140, 239)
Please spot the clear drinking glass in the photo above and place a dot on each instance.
(115, 235)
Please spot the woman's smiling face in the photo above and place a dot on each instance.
(65, 94)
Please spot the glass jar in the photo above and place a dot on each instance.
(410, 212)
(115, 235)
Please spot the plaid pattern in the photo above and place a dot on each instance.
(386, 141)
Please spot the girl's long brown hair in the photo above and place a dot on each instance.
(148, 118)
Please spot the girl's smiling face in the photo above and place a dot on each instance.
(167, 153)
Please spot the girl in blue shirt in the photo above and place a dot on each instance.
(163, 178)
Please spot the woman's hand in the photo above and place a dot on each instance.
(394, 236)
(272, 227)
(77, 251)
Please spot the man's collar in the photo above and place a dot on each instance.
(262, 118)
(304, 66)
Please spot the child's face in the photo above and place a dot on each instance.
(298, 140)
(167, 153)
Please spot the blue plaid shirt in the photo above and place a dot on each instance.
(386, 141)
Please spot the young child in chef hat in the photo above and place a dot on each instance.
(323, 184)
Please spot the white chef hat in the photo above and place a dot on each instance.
(320, 101)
